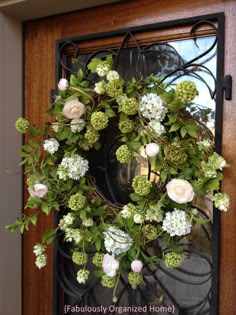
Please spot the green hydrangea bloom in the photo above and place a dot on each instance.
(175, 155)
(173, 260)
(108, 282)
(141, 185)
(22, 125)
(129, 106)
(114, 88)
(82, 275)
(126, 125)
(79, 258)
(149, 231)
(186, 91)
(99, 120)
(123, 154)
(91, 135)
(135, 278)
(98, 259)
(77, 202)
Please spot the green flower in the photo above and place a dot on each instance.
(186, 91)
(99, 120)
(91, 135)
(77, 202)
(79, 258)
(98, 259)
(135, 279)
(126, 125)
(108, 282)
(221, 201)
(82, 275)
(129, 106)
(173, 260)
(141, 185)
(149, 231)
(114, 88)
(175, 155)
(123, 154)
(22, 125)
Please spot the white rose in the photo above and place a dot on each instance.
(152, 149)
(63, 84)
(110, 265)
(73, 109)
(38, 190)
(180, 190)
(136, 265)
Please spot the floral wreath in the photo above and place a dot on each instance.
(151, 116)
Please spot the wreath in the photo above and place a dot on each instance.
(155, 122)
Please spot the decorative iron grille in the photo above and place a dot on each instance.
(193, 288)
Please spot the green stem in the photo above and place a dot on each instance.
(116, 285)
(83, 93)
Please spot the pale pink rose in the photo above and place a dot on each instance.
(110, 265)
(136, 265)
(38, 190)
(73, 109)
(63, 84)
(180, 190)
(152, 149)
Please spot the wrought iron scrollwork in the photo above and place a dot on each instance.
(162, 286)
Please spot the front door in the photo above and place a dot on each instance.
(172, 49)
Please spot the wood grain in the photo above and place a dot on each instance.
(40, 37)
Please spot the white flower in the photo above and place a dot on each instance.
(87, 222)
(73, 109)
(41, 261)
(82, 275)
(180, 190)
(112, 75)
(73, 235)
(152, 107)
(100, 87)
(136, 265)
(152, 149)
(138, 218)
(56, 127)
(110, 265)
(116, 241)
(73, 167)
(39, 249)
(38, 190)
(102, 69)
(77, 125)
(176, 223)
(51, 145)
(154, 213)
(221, 201)
(128, 210)
(157, 127)
(67, 220)
(63, 84)
(204, 144)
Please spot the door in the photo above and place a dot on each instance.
(40, 61)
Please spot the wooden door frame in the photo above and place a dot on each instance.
(39, 284)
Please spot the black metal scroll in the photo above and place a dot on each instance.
(193, 288)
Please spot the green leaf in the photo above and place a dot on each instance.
(174, 127)
(135, 197)
(92, 66)
(98, 244)
(49, 236)
(183, 131)
(110, 112)
(46, 208)
(11, 227)
(164, 175)
(80, 74)
(33, 219)
(34, 131)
